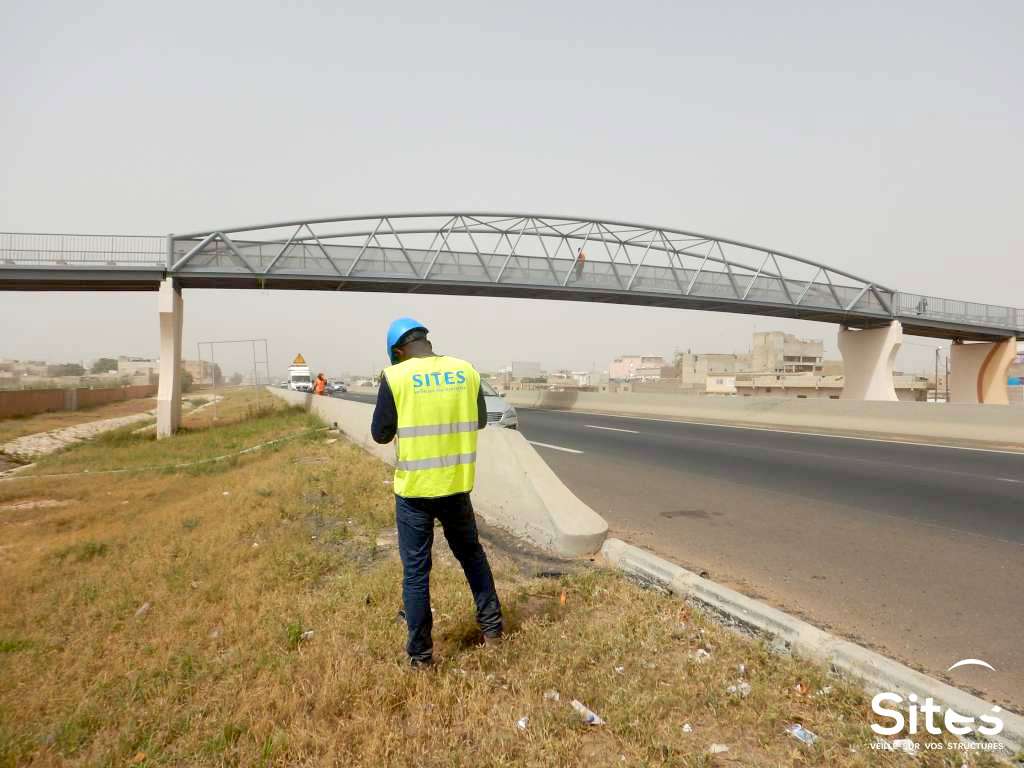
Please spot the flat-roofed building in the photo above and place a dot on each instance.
(526, 369)
(778, 352)
(630, 367)
(694, 369)
(809, 385)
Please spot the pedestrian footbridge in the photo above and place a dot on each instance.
(519, 255)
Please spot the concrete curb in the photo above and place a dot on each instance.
(515, 489)
(876, 671)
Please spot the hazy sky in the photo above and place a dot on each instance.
(880, 139)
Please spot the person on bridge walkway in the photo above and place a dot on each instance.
(581, 261)
(432, 405)
(320, 384)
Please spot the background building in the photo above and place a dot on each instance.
(526, 370)
(203, 372)
(720, 385)
(778, 352)
(810, 385)
(138, 370)
(694, 369)
(636, 367)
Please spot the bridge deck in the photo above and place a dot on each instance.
(507, 255)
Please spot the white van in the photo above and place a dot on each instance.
(299, 377)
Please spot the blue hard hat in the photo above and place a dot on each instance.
(398, 329)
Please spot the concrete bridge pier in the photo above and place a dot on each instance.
(168, 397)
(868, 357)
(978, 371)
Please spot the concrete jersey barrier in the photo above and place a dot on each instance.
(983, 424)
(515, 489)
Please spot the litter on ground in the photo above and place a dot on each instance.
(741, 689)
(589, 717)
(799, 732)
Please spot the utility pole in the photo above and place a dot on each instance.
(947, 377)
(937, 374)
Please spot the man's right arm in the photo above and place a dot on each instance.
(385, 415)
(481, 409)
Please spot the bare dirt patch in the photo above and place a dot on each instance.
(34, 504)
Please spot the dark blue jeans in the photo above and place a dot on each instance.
(415, 519)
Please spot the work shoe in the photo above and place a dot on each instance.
(492, 639)
(426, 663)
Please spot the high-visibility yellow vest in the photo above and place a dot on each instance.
(436, 400)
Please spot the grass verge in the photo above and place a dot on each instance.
(245, 615)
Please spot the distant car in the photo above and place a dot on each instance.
(499, 412)
(336, 389)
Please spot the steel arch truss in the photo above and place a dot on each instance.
(538, 255)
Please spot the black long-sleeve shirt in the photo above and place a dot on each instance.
(385, 415)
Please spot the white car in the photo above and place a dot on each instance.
(499, 413)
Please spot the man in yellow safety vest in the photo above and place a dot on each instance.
(432, 406)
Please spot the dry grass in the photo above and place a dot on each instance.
(11, 429)
(215, 672)
(237, 402)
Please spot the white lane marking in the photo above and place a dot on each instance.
(553, 447)
(772, 429)
(856, 460)
(613, 429)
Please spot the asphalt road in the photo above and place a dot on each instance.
(914, 550)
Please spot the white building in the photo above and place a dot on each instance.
(632, 367)
(720, 385)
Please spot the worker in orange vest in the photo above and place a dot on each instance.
(581, 260)
(320, 385)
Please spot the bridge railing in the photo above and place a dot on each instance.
(916, 305)
(38, 249)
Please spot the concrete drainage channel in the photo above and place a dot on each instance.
(518, 492)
